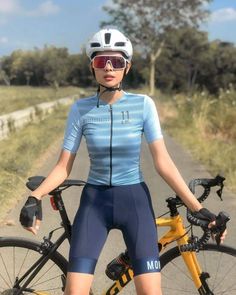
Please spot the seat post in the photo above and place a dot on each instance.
(62, 210)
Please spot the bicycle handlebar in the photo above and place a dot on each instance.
(207, 184)
(221, 219)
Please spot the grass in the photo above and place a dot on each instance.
(13, 98)
(205, 125)
(19, 151)
(18, 154)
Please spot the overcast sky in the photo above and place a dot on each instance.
(27, 24)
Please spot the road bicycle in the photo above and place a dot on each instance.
(194, 266)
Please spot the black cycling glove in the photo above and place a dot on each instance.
(31, 209)
(205, 214)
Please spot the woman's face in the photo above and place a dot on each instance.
(108, 75)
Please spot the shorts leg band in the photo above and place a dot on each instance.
(82, 265)
(146, 265)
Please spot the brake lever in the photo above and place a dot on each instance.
(221, 220)
(219, 191)
(220, 181)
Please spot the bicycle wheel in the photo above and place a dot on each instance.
(218, 262)
(17, 256)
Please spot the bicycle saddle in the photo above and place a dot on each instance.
(34, 181)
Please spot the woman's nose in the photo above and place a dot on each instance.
(108, 66)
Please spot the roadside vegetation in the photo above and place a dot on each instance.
(22, 152)
(14, 98)
(206, 125)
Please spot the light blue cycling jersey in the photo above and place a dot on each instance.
(113, 135)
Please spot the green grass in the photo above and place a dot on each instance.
(20, 153)
(207, 127)
(13, 98)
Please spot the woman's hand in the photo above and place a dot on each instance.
(31, 214)
(217, 224)
(222, 236)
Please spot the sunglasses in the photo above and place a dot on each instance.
(117, 62)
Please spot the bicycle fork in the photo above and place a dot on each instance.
(199, 277)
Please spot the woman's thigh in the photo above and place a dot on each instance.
(138, 226)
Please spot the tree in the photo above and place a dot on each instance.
(185, 51)
(80, 73)
(147, 22)
(218, 69)
(56, 65)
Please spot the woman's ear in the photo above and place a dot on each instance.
(92, 70)
(128, 66)
(91, 67)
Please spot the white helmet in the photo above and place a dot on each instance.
(109, 40)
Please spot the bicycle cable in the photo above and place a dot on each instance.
(189, 226)
(181, 205)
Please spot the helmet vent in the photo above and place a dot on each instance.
(107, 38)
(120, 44)
(95, 44)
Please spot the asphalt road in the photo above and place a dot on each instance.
(159, 191)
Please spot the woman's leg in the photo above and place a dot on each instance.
(136, 219)
(78, 283)
(89, 232)
(148, 284)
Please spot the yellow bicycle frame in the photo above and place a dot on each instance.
(176, 233)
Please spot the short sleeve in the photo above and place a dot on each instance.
(73, 131)
(152, 127)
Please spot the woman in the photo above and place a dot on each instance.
(112, 122)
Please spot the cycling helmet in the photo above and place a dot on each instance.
(109, 40)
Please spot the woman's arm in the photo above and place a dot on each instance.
(31, 213)
(168, 171)
(58, 174)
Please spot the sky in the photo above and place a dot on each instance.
(28, 24)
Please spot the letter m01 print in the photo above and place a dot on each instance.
(150, 265)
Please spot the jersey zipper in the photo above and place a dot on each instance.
(111, 134)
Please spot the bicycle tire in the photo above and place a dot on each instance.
(17, 255)
(218, 261)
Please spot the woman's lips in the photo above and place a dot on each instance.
(109, 77)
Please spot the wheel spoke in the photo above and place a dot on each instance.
(46, 281)
(6, 270)
(23, 262)
(46, 271)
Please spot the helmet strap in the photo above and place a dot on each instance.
(107, 89)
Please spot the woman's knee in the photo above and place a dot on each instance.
(148, 284)
(78, 283)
